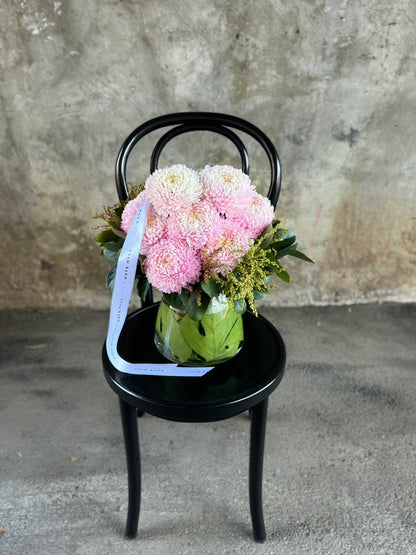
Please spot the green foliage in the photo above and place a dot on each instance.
(213, 337)
(112, 217)
(112, 249)
(111, 276)
(249, 280)
(286, 245)
(177, 300)
(197, 305)
(111, 240)
(240, 306)
(211, 288)
(194, 303)
(143, 285)
(106, 236)
(169, 330)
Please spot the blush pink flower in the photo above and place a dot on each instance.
(227, 248)
(130, 211)
(173, 189)
(226, 188)
(171, 265)
(195, 226)
(156, 229)
(257, 214)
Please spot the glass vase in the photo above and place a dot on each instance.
(217, 337)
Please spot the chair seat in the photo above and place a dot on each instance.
(230, 388)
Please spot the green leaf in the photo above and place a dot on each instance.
(259, 295)
(284, 276)
(240, 306)
(286, 240)
(214, 336)
(106, 236)
(212, 288)
(111, 250)
(267, 236)
(175, 300)
(169, 329)
(111, 276)
(143, 285)
(111, 255)
(115, 246)
(283, 252)
(197, 310)
(302, 256)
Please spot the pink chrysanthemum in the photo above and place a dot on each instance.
(173, 189)
(257, 214)
(226, 188)
(195, 226)
(171, 265)
(227, 248)
(156, 229)
(130, 211)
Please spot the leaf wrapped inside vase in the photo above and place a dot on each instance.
(216, 337)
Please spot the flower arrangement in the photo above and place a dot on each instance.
(209, 234)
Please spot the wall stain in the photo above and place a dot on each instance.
(42, 393)
(340, 135)
(295, 139)
(408, 239)
(351, 244)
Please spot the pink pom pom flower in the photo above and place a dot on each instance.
(227, 248)
(195, 226)
(173, 189)
(171, 265)
(257, 214)
(226, 188)
(130, 211)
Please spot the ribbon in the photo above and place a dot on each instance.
(123, 287)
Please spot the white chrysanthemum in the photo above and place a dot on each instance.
(173, 189)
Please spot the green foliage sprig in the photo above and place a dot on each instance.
(250, 279)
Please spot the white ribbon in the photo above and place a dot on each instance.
(123, 287)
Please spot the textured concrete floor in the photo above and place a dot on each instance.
(339, 475)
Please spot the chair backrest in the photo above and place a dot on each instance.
(185, 122)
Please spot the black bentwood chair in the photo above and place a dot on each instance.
(243, 383)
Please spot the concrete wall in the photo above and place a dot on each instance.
(331, 81)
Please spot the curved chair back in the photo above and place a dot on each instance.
(185, 122)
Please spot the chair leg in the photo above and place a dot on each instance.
(131, 443)
(257, 437)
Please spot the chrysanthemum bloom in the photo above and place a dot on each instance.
(171, 265)
(156, 229)
(130, 211)
(257, 214)
(227, 248)
(196, 225)
(173, 189)
(226, 188)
